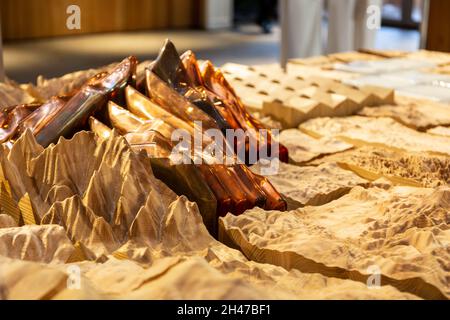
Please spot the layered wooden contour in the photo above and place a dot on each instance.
(440, 131)
(312, 185)
(13, 95)
(267, 121)
(46, 243)
(93, 205)
(403, 168)
(191, 278)
(377, 132)
(400, 233)
(95, 189)
(304, 148)
(416, 114)
(99, 209)
(6, 221)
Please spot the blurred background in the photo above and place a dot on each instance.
(36, 39)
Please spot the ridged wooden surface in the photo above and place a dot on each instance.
(130, 235)
(405, 167)
(402, 231)
(365, 191)
(310, 185)
(384, 132)
(304, 148)
(414, 113)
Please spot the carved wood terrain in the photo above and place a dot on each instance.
(368, 199)
(402, 232)
(105, 213)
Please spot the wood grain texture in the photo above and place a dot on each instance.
(383, 132)
(22, 19)
(401, 168)
(132, 240)
(438, 26)
(419, 114)
(312, 186)
(392, 230)
(303, 148)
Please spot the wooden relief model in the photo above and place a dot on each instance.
(91, 180)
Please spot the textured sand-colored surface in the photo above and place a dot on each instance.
(417, 114)
(440, 131)
(6, 221)
(95, 190)
(402, 232)
(101, 192)
(267, 121)
(47, 243)
(425, 170)
(377, 131)
(129, 235)
(312, 185)
(175, 278)
(303, 148)
(13, 95)
(93, 208)
(431, 56)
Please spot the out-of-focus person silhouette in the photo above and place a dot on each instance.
(262, 12)
(348, 30)
(267, 14)
(301, 25)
